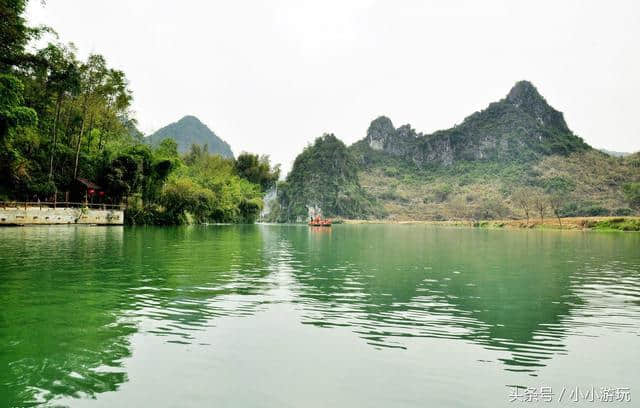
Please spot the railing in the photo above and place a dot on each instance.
(59, 204)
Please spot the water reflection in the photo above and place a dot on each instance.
(52, 341)
(519, 291)
(72, 297)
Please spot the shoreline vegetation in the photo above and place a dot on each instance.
(68, 134)
(569, 223)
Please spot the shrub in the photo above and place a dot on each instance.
(584, 210)
(558, 184)
(595, 210)
(391, 171)
(441, 192)
(632, 194)
(622, 211)
(622, 224)
(490, 208)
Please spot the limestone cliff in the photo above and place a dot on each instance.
(522, 126)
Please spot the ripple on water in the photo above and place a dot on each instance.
(85, 293)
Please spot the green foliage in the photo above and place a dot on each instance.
(620, 224)
(257, 169)
(558, 185)
(391, 171)
(441, 192)
(622, 212)
(634, 160)
(61, 118)
(325, 175)
(632, 194)
(14, 33)
(12, 113)
(391, 194)
(574, 209)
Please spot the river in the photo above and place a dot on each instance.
(288, 316)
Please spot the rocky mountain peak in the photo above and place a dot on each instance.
(520, 127)
(380, 130)
(525, 93)
(525, 96)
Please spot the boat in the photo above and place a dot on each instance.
(319, 222)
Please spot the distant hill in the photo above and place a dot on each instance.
(520, 127)
(189, 131)
(615, 154)
(134, 132)
(472, 170)
(324, 177)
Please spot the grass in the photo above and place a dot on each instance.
(570, 223)
(619, 224)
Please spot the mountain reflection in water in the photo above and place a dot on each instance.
(73, 297)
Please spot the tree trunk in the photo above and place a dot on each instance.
(66, 126)
(89, 130)
(100, 139)
(55, 134)
(84, 116)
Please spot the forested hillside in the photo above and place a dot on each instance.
(324, 177)
(63, 118)
(515, 159)
(190, 131)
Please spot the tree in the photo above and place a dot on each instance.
(540, 203)
(12, 111)
(14, 33)
(105, 98)
(257, 170)
(61, 118)
(556, 202)
(522, 198)
(123, 175)
(59, 70)
(92, 73)
(632, 194)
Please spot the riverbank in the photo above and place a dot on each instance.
(569, 223)
(59, 214)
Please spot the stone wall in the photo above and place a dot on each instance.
(45, 215)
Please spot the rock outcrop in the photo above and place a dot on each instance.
(522, 126)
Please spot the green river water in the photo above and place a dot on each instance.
(287, 316)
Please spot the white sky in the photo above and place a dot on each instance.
(270, 76)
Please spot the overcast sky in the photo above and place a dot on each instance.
(270, 76)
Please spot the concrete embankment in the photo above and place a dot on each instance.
(41, 215)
